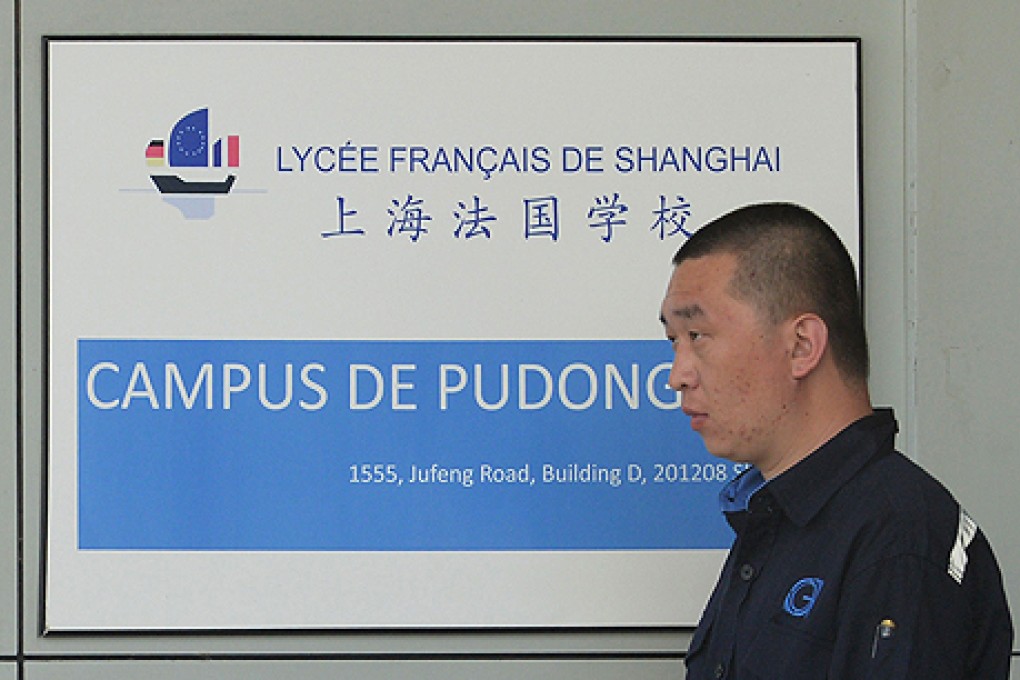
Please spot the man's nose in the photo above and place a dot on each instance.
(682, 376)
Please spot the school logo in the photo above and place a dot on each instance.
(802, 596)
(189, 168)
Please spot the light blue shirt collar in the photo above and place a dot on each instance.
(735, 496)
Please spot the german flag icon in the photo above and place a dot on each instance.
(155, 153)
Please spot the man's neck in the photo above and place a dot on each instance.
(816, 419)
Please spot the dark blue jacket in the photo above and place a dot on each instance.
(853, 564)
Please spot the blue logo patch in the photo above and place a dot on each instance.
(802, 596)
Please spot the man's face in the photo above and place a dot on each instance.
(731, 367)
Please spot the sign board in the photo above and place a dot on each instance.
(364, 333)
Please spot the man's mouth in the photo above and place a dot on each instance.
(698, 418)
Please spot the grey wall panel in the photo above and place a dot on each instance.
(376, 644)
(968, 372)
(8, 385)
(354, 670)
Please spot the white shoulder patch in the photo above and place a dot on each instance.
(958, 555)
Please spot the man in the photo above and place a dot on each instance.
(849, 561)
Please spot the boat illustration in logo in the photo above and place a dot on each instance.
(172, 184)
(187, 148)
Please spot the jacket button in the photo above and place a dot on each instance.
(746, 572)
(720, 670)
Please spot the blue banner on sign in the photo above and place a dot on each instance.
(389, 445)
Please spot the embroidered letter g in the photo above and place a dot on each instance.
(802, 596)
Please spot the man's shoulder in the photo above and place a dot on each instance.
(901, 509)
(904, 487)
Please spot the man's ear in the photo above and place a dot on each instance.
(810, 338)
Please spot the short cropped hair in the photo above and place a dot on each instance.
(790, 261)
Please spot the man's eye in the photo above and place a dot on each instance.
(694, 335)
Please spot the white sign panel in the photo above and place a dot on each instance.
(364, 334)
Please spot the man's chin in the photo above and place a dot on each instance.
(723, 452)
